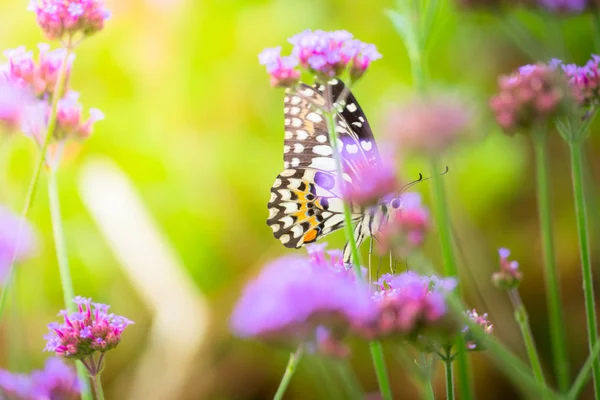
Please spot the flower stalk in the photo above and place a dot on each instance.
(449, 377)
(289, 372)
(553, 296)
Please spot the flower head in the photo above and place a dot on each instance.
(55, 381)
(584, 81)
(532, 95)
(294, 298)
(428, 125)
(406, 227)
(409, 305)
(38, 76)
(13, 103)
(475, 343)
(509, 276)
(63, 19)
(564, 6)
(14, 386)
(16, 240)
(370, 181)
(86, 331)
(282, 70)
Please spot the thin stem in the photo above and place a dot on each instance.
(584, 248)
(449, 377)
(584, 374)
(98, 387)
(426, 387)
(380, 369)
(289, 372)
(553, 296)
(522, 319)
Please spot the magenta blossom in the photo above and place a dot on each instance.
(301, 301)
(564, 6)
(13, 103)
(89, 330)
(509, 276)
(282, 70)
(38, 76)
(15, 386)
(56, 381)
(533, 95)
(409, 305)
(473, 342)
(14, 232)
(406, 227)
(584, 81)
(63, 19)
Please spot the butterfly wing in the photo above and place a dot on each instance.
(305, 202)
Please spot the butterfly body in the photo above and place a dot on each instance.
(306, 200)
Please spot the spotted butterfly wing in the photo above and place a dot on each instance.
(305, 202)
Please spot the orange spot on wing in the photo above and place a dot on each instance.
(310, 236)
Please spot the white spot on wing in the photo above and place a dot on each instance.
(296, 100)
(275, 227)
(351, 107)
(321, 138)
(359, 124)
(285, 194)
(297, 231)
(273, 197)
(286, 149)
(361, 119)
(284, 238)
(295, 162)
(286, 164)
(287, 121)
(323, 163)
(301, 134)
(314, 117)
(323, 150)
(366, 145)
(352, 148)
(298, 148)
(273, 212)
(294, 110)
(296, 122)
(277, 183)
(286, 99)
(288, 172)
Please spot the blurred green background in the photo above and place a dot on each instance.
(179, 175)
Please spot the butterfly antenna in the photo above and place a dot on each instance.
(421, 179)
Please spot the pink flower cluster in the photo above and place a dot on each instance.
(13, 104)
(509, 276)
(406, 227)
(63, 19)
(410, 305)
(325, 54)
(91, 329)
(39, 76)
(532, 95)
(584, 80)
(475, 343)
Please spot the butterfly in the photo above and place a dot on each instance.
(306, 203)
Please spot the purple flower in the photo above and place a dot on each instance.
(509, 276)
(584, 81)
(282, 70)
(532, 95)
(409, 305)
(13, 103)
(14, 233)
(566, 6)
(55, 381)
(40, 77)
(406, 227)
(14, 386)
(428, 125)
(293, 296)
(91, 329)
(369, 182)
(62, 19)
(473, 342)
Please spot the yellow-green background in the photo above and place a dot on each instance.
(192, 121)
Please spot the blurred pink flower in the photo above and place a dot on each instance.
(509, 276)
(282, 69)
(473, 342)
(584, 81)
(63, 19)
(428, 125)
(13, 103)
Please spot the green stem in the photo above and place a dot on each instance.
(98, 387)
(289, 372)
(522, 319)
(553, 296)
(426, 387)
(31, 190)
(380, 369)
(584, 248)
(584, 374)
(375, 346)
(449, 378)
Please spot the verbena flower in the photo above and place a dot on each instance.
(89, 330)
(12, 242)
(38, 76)
(406, 227)
(409, 306)
(564, 6)
(14, 386)
(325, 54)
(63, 19)
(282, 70)
(57, 381)
(70, 124)
(509, 276)
(295, 299)
(370, 182)
(583, 80)
(428, 125)
(474, 342)
(530, 96)
(13, 103)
